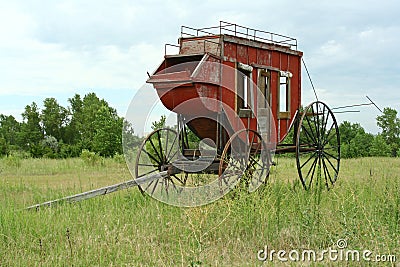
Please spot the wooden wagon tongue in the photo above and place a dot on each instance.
(100, 191)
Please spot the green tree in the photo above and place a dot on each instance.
(355, 142)
(379, 147)
(107, 138)
(359, 146)
(82, 128)
(10, 130)
(390, 125)
(3, 146)
(54, 118)
(131, 140)
(348, 131)
(155, 125)
(72, 133)
(50, 147)
(31, 130)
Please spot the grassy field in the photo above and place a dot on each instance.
(128, 229)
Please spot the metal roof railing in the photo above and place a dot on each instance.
(240, 31)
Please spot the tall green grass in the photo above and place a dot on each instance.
(129, 229)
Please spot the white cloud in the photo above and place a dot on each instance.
(331, 48)
(15, 25)
(45, 68)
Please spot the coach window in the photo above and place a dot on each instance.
(284, 94)
(264, 85)
(244, 91)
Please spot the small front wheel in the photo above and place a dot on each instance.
(156, 154)
(245, 157)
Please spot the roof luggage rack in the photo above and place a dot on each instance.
(240, 31)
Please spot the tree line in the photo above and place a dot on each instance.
(355, 142)
(89, 123)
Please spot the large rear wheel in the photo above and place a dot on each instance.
(318, 146)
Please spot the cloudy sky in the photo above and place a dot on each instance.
(59, 48)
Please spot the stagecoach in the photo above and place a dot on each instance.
(236, 92)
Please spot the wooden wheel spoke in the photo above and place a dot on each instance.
(311, 136)
(325, 122)
(151, 156)
(148, 165)
(173, 155)
(147, 173)
(172, 146)
(309, 139)
(313, 155)
(155, 149)
(173, 184)
(166, 146)
(330, 155)
(161, 148)
(254, 161)
(164, 186)
(178, 179)
(330, 163)
(327, 171)
(310, 124)
(257, 149)
(154, 187)
(315, 163)
(325, 175)
(312, 165)
(328, 136)
(149, 184)
(316, 124)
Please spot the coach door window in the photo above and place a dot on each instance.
(244, 90)
(284, 94)
(264, 85)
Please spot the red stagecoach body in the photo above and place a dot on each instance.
(208, 66)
